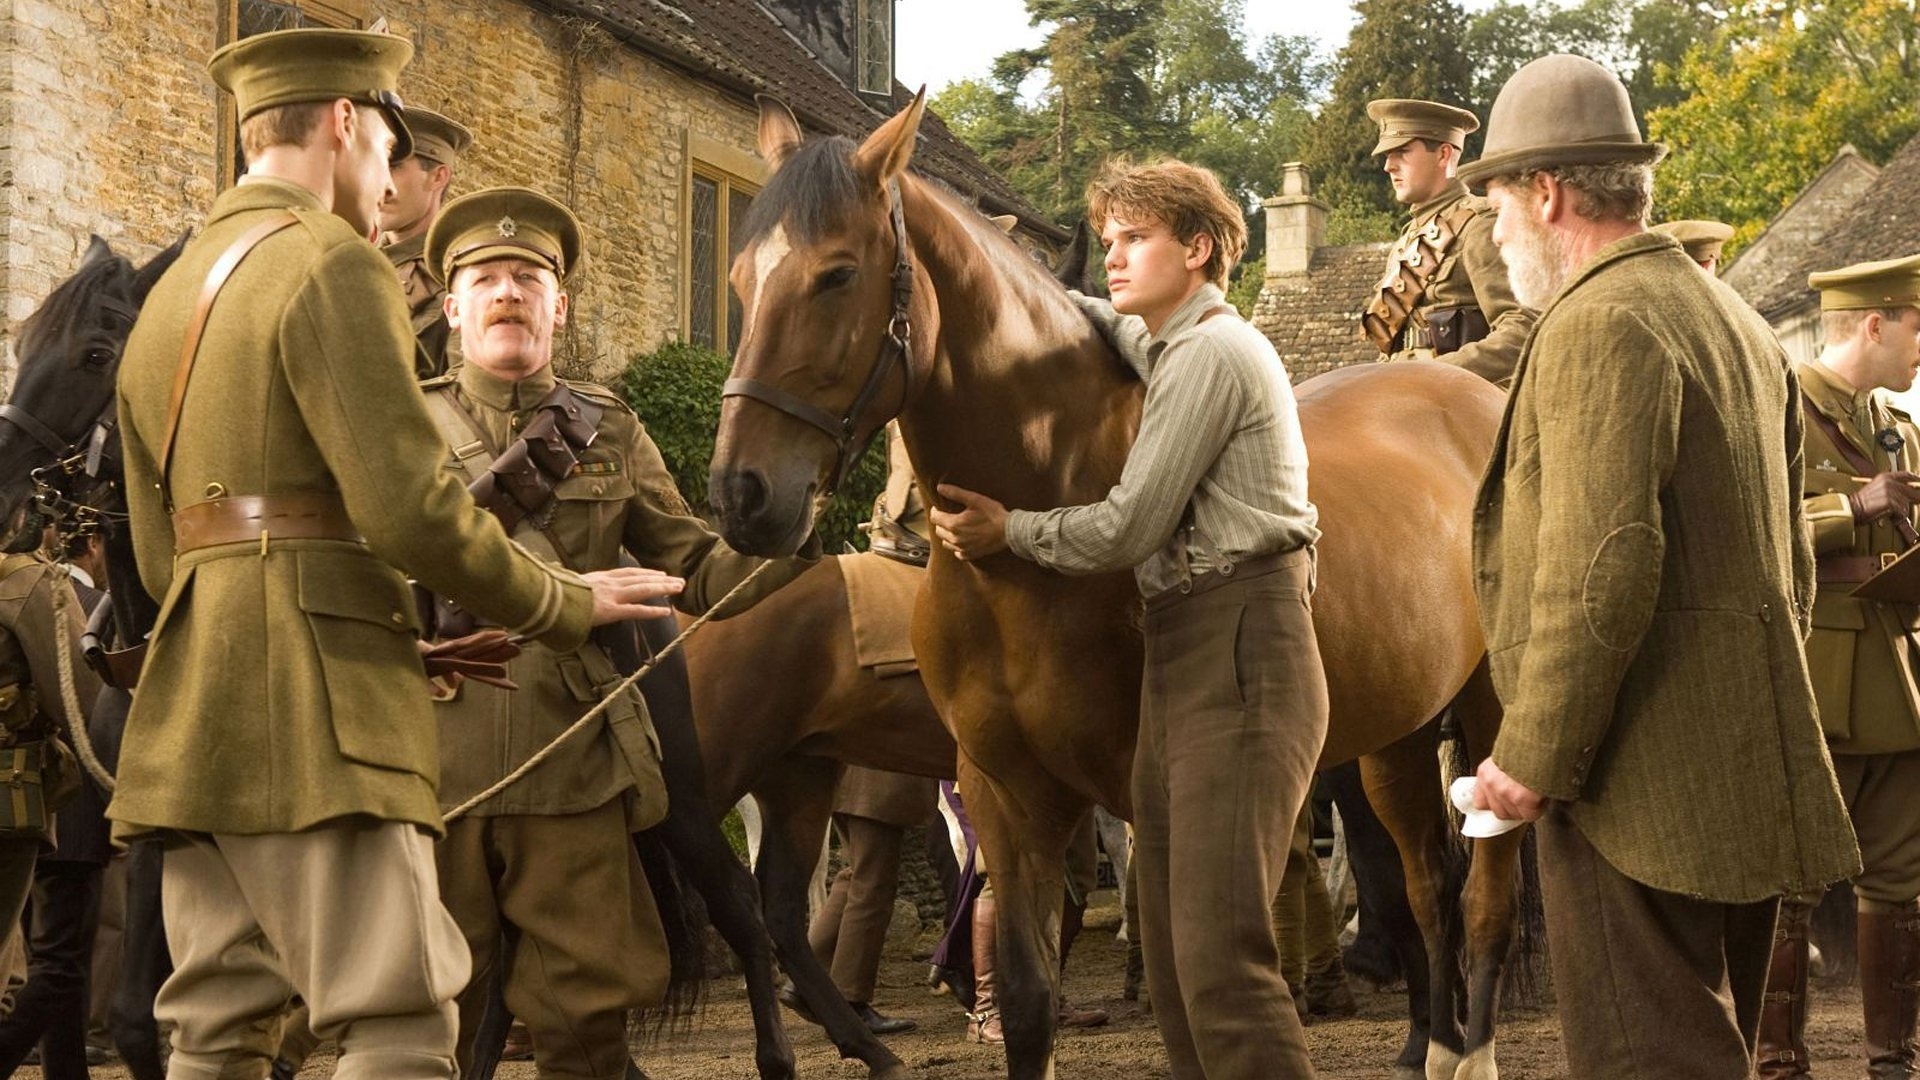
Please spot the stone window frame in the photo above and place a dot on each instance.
(345, 14)
(733, 172)
(872, 72)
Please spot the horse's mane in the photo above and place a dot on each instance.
(812, 191)
(70, 299)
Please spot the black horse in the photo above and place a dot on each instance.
(59, 423)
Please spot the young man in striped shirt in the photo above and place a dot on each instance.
(1212, 513)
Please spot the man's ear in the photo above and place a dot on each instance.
(562, 302)
(1553, 197)
(1199, 250)
(450, 307)
(343, 119)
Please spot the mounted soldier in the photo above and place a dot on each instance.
(1702, 240)
(569, 470)
(1445, 294)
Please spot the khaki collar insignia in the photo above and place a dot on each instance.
(1826, 465)
(508, 227)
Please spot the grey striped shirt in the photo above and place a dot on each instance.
(1219, 465)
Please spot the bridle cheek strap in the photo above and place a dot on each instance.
(897, 350)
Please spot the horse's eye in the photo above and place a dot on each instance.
(834, 278)
(99, 356)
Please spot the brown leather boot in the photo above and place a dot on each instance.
(1890, 988)
(983, 1023)
(1782, 1049)
(1073, 919)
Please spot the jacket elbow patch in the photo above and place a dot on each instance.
(1622, 583)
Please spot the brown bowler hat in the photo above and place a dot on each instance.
(1559, 110)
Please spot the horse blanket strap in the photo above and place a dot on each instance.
(239, 519)
(217, 276)
(896, 350)
(1411, 266)
(1856, 460)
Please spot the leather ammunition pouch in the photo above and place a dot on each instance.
(37, 778)
(1448, 329)
(1411, 266)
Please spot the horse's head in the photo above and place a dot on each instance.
(69, 355)
(825, 281)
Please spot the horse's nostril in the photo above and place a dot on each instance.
(748, 493)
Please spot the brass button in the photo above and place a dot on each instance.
(398, 619)
(216, 490)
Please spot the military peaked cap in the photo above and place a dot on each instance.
(1559, 110)
(503, 223)
(1702, 239)
(439, 139)
(291, 67)
(1888, 283)
(1403, 120)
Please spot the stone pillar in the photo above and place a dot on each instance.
(1296, 222)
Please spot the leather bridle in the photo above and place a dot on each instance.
(896, 350)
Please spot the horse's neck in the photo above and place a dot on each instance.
(1023, 399)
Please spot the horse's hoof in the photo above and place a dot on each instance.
(1409, 1072)
(1478, 1065)
(1442, 1063)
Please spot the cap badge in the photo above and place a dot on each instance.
(1891, 440)
(508, 227)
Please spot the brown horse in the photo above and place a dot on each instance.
(871, 293)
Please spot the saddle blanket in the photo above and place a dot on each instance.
(880, 598)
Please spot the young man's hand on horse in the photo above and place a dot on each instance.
(1506, 797)
(977, 530)
(623, 593)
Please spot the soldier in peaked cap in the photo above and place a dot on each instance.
(1644, 574)
(1861, 654)
(420, 184)
(1701, 239)
(552, 856)
(283, 479)
(1444, 295)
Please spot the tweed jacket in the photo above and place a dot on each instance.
(1869, 702)
(283, 686)
(621, 498)
(1644, 577)
(889, 797)
(1470, 275)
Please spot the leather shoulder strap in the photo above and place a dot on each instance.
(1217, 309)
(222, 269)
(456, 424)
(1855, 459)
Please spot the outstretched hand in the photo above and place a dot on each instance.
(978, 529)
(622, 593)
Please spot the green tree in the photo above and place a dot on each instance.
(1773, 96)
(1398, 49)
(1638, 40)
(676, 391)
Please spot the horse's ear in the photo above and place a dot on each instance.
(1072, 269)
(1004, 222)
(144, 277)
(886, 152)
(780, 133)
(96, 249)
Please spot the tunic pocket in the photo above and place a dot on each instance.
(364, 624)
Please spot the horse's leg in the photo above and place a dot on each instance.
(1024, 837)
(796, 800)
(1403, 784)
(1385, 915)
(1490, 896)
(145, 965)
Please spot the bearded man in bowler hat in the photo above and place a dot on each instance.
(1645, 577)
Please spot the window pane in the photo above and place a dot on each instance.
(703, 265)
(737, 202)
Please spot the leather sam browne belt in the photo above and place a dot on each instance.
(1849, 569)
(238, 519)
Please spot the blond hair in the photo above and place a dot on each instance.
(1185, 198)
(282, 125)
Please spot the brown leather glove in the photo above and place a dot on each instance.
(1886, 495)
(481, 656)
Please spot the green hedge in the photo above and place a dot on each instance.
(676, 391)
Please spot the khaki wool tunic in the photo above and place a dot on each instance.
(621, 498)
(1868, 702)
(1644, 576)
(283, 686)
(1471, 274)
(439, 347)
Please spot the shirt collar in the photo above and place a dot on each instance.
(1452, 193)
(1187, 315)
(506, 395)
(407, 250)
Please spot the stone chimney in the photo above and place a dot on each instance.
(1296, 222)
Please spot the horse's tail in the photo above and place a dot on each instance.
(683, 921)
(1525, 980)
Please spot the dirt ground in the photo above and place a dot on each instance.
(719, 1046)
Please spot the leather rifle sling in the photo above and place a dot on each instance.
(222, 269)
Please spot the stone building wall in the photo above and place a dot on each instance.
(112, 127)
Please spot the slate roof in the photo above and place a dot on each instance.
(739, 46)
(1883, 224)
(1313, 319)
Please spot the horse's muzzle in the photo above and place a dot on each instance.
(759, 516)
